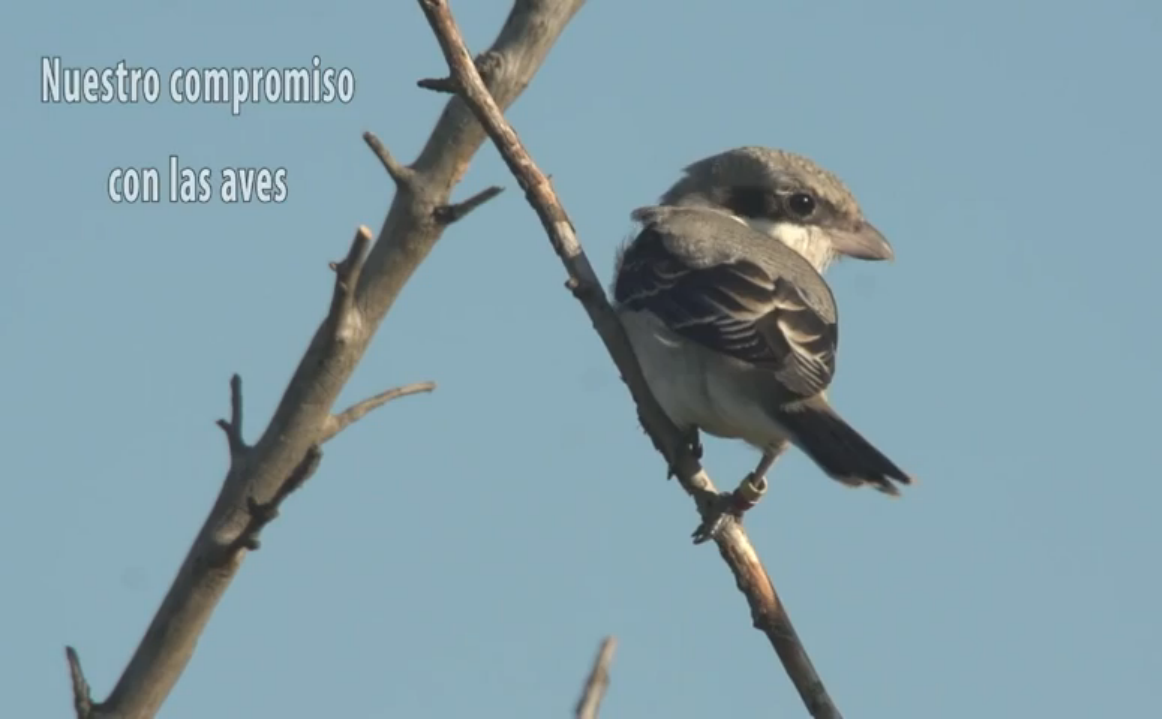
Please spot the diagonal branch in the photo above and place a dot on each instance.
(597, 682)
(263, 513)
(367, 284)
(767, 611)
(336, 423)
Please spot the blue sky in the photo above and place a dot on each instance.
(467, 550)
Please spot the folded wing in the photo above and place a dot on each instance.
(735, 308)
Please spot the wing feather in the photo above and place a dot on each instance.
(735, 308)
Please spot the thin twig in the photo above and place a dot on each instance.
(767, 611)
(438, 84)
(486, 64)
(82, 699)
(403, 176)
(447, 214)
(339, 422)
(597, 682)
(233, 426)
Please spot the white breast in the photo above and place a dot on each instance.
(698, 388)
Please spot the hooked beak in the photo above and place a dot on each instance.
(863, 243)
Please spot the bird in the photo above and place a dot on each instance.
(721, 293)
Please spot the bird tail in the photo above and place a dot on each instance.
(837, 448)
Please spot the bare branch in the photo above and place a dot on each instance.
(597, 682)
(82, 700)
(447, 214)
(366, 290)
(339, 422)
(403, 177)
(233, 426)
(438, 84)
(767, 611)
(486, 64)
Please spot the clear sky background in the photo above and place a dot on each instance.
(465, 551)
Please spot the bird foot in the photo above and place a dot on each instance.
(715, 518)
(728, 506)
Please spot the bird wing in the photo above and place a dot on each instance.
(735, 308)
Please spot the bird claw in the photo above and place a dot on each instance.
(723, 508)
(730, 505)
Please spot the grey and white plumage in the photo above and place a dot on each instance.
(762, 186)
(722, 296)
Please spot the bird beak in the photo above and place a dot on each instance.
(864, 243)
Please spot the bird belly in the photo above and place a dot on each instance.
(739, 394)
(675, 375)
(696, 387)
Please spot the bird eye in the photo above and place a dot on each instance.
(801, 204)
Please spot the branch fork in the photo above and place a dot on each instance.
(336, 423)
(448, 214)
(404, 177)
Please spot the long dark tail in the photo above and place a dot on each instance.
(837, 448)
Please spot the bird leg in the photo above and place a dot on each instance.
(692, 439)
(746, 495)
(695, 443)
(756, 481)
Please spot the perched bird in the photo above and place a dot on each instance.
(722, 296)
(786, 196)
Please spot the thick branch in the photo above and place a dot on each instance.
(767, 611)
(597, 682)
(263, 513)
(367, 285)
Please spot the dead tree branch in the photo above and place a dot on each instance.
(767, 611)
(261, 514)
(367, 283)
(597, 682)
(82, 700)
(447, 214)
(336, 423)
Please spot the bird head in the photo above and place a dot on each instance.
(787, 197)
